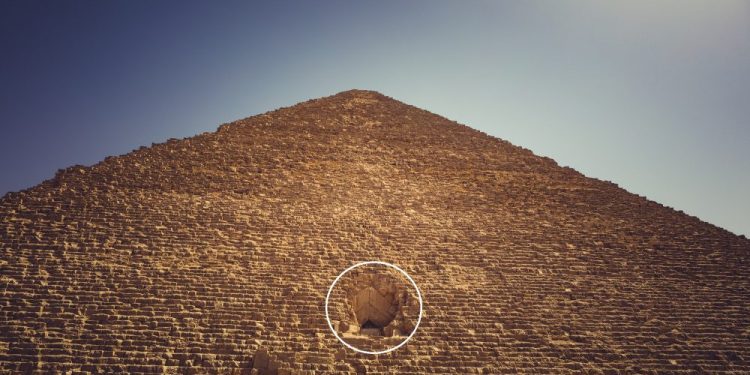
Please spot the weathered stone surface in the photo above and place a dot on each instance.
(192, 255)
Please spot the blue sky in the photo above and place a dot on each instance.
(653, 95)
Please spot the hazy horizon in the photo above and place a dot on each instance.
(650, 95)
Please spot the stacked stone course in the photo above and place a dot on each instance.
(213, 254)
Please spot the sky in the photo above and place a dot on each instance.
(652, 95)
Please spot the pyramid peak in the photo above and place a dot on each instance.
(357, 94)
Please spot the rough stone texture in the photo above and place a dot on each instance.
(213, 254)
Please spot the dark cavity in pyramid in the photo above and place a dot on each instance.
(213, 254)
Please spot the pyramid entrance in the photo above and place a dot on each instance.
(374, 310)
(373, 307)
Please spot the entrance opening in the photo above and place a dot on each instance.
(374, 310)
(371, 329)
(369, 324)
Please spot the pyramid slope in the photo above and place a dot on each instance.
(213, 254)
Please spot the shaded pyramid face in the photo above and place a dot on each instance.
(213, 254)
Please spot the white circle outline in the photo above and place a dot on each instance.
(419, 296)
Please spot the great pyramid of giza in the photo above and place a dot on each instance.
(213, 254)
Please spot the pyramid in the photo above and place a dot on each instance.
(213, 254)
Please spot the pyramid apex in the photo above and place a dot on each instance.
(360, 93)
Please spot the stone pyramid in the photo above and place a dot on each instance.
(213, 254)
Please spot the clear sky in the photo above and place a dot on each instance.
(653, 95)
